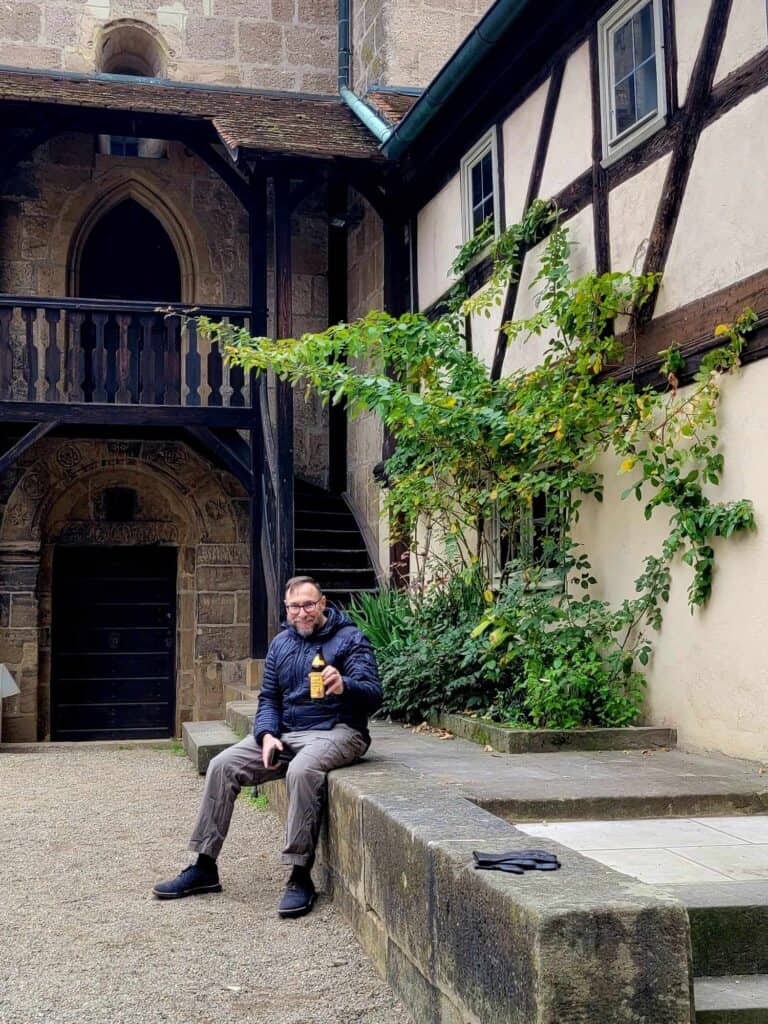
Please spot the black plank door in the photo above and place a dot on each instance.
(113, 665)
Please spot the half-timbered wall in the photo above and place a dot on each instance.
(689, 201)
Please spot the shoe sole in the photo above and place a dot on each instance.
(187, 892)
(300, 912)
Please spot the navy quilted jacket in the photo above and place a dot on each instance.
(284, 702)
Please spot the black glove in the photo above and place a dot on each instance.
(516, 862)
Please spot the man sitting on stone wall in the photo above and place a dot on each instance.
(295, 736)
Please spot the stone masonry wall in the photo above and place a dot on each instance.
(365, 253)
(406, 42)
(265, 44)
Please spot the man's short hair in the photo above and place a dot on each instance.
(298, 581)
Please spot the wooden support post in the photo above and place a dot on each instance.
(257, 273)
(284, 329)
(337, 311)
(396, 302)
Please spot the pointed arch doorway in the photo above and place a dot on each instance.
(129, 256)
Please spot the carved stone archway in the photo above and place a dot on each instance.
(56, 499)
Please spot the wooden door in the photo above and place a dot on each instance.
(113, 659)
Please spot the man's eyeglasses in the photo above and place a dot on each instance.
(305, 606)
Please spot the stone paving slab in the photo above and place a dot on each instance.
(580, 784)
(742, 997)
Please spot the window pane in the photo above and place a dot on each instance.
(477, 184)
(625, 104)
(642, 24)
(487, 166)
(646, 89)
(623, 52)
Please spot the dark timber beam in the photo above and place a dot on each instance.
(601, 226)
(8, 458)
(396, 300)
(232, 178)
(284, 329)
(223, 453)
(97, 414)
(257, 274)
(337, 312)
(534, 185)
(699, 93)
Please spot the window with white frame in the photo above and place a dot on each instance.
(480, 187)
(633, 95)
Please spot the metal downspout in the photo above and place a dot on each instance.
(345, 50)
(372, 121)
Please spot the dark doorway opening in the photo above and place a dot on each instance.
(114, 659)
(128, 255)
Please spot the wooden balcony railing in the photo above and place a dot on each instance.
(95, 351)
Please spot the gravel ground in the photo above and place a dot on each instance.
(84, 833)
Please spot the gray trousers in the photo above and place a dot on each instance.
(306, 759)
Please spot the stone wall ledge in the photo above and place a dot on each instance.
(551, 741)
(583, 945)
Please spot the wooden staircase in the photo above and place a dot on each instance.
(329, 545)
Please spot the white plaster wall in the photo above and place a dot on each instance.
(722, 231)
(521, 133)
(523, 354)
(631, 211)
(485, 333)
(439, 235)
(570, 147)
(708, 676)
(747, 34)
(690, 18)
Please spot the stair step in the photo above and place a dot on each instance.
(240, 715)
(729, 926)
(330, 557)
(735, 999)
(204, 740)
(233, 691)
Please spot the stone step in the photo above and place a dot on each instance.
(240, 715)
(204, 740)
(239, 691)
(729, 926)
(736, 999)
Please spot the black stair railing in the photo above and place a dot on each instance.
(108, 352)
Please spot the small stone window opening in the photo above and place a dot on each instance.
(129, 47)
(120, 504)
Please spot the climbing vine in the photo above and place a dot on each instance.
(489, 476)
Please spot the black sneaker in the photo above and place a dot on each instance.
(192, 880)
(299, 895)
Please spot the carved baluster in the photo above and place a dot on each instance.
(214, 374)
(99, 358)
(148, 361)
(134, 359)
(30, 363)
(192, 366)
(236, 375)
(171, 388)
(53, 356)
(75, 357)
(6, 355)
(123, 393)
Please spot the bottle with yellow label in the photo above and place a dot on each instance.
(316, 684)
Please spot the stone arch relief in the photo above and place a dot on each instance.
(54, 498)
